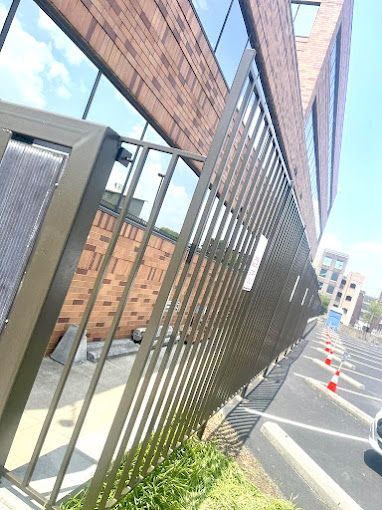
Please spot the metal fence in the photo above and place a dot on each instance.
(238, 291)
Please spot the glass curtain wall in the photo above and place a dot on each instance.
(333, 90)
(224, 26)
(311, 148)
(46, 70)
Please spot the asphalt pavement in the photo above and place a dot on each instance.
(336, 440)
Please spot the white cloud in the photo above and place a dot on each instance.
(60, 40)
(63, 92)
(329, 241)
(27, 63)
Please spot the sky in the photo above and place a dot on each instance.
(355, 223)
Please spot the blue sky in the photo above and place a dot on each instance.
(355, 223)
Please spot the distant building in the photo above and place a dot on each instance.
(357, 309)
(330, 270)
(347, 295)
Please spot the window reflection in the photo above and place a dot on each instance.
(44, 68)
(303, 18)
(212, 14)
(111, 108)
(232, 43)
(310, 140)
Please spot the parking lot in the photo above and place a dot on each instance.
(311, 441)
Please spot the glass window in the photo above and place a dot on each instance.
(339, 264)
(323, 272)
(232, 43)
(334, 276)
(348, 298)
(327, 261)
(352, 285)
(4, 8)
(303, 18)
(333, 86)
(212, 14)
(330, 289)
(310, 141)
(320, 284)
(44, 68)
(111, 108)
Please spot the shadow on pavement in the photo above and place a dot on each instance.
(239, 423)
(373, 461)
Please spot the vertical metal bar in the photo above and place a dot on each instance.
(216, 263)
(121, 305)
(240, 320)
(202, 186)
(176, 327)
(142, 390)
(8, 22)
(199, 360)
(203, 382)
(84, 320)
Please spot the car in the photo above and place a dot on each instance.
(375, 437)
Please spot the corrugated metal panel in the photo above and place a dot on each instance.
(28, 174)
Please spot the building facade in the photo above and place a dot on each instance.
(330, 271)
(161, 71)
(347, 295)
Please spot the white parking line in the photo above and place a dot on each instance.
(364, 358)
(345, 404)
(306, 426)
(364, 395)
(364, 353)
(331, 369)
(363, 375)
(336, 358)
(328, 490)
(366, 365)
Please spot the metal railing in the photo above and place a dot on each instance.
(224, 332)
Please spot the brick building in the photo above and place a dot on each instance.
(161, 71)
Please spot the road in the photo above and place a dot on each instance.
(334, 439)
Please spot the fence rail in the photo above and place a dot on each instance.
(237, 292)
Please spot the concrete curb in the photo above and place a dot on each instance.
(336, 358)
(340, 401)
(329, 491)
(331, 369)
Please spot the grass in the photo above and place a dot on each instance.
(198, 476)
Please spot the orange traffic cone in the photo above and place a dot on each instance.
(328, 360)
(332, 384)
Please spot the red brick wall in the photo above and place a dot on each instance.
(144, 291)
(156, 52)
(146, 287)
